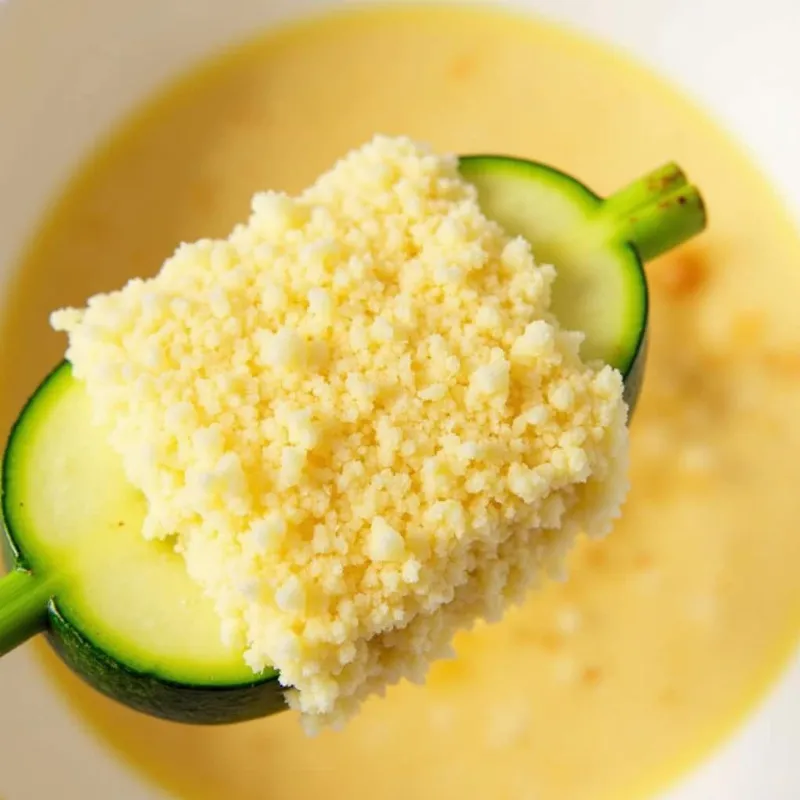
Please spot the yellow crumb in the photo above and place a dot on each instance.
(358, 420)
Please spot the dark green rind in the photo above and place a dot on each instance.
(633, 374)
(10, 553)
(14, 558)
(529, 165)
(633, 379)
(149, 694)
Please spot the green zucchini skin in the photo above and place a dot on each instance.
(633, 379)
(154, 696)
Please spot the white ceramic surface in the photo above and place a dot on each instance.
(69, 68)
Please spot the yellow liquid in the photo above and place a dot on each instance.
(668, 632)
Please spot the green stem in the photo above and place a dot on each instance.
(655, 213)
(23, 608)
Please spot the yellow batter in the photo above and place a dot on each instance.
(669, 631)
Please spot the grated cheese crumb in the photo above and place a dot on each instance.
(363, 428)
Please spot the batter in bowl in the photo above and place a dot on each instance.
(668, 632)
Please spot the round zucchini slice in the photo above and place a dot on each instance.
(121, 611)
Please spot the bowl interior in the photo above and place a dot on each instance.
(69, 70)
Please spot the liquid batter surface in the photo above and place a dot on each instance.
(669, 631)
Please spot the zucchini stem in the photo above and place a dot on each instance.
(23, 608)
(655, 213)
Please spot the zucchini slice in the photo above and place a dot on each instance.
(122, 612)
(597, 246)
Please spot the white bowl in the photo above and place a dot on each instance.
(68, 70)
